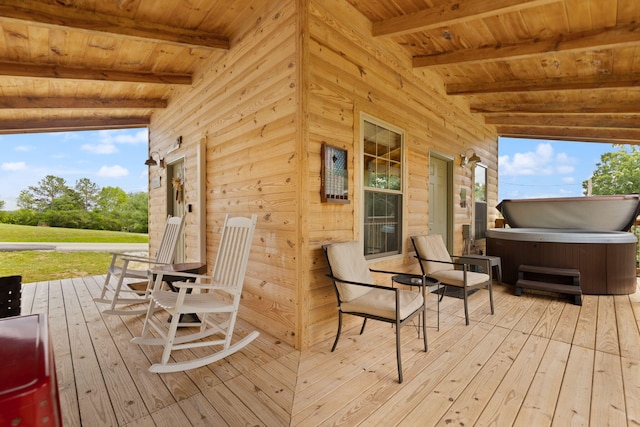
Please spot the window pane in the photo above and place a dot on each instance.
(382, 228)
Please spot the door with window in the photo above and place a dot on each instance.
(175, 200)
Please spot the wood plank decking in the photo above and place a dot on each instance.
(538, 361)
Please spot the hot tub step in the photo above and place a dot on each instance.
(560, 280)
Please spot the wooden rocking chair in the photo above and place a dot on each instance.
(120, 270)
(215, 299)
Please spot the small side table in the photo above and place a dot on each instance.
(494, 260)
(416, 280)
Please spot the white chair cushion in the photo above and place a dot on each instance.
(348, 263)
(382, 303)
(456, 277)
(433, 247)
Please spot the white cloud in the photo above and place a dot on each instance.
(112, 171)
(14, 166)
(565, 169)
(24, 148)
(100, 148)
(110, 137)
(541, 162)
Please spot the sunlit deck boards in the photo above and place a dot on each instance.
(538, 361)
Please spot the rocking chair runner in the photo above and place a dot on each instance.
(120, 270)
(359, 296)
(215, 300)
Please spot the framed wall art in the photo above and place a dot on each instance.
(334, 175)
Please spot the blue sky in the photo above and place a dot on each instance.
(113, 158)
(527, 168)
(537, 168)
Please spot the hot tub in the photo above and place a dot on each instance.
(605, 257)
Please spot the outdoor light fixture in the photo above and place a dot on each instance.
(469, 157)
(152, 162)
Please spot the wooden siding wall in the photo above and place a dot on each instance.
(244, 103)
(352, 73)
(264, 117)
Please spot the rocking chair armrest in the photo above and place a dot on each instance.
(368, 285)
(129, 257)
(161, 272)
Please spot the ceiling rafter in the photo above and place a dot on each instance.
(30, 102)
(618, 36)
(454, 12)
(46, 71)
(567, 83)
(559, 120)
(558, 108)
(571, 134)
(69, 16)
(36, 125)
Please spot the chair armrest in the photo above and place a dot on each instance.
(388, 272)
(368, 285)
(485, 264)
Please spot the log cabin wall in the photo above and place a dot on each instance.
(351, 72)
(299, 75)
(243, 107)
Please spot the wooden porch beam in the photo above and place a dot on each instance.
(556, 84)
(20, 102)
(604, 38)
(630, 136)
(585, 108)
(37, 125)
(67, 16)
(629, 121)
(46, 71)
(452, 13)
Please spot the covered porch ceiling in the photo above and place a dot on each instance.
(552, 69)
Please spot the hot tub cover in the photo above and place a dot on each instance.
(602, 213)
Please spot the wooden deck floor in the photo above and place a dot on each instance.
(538, 361)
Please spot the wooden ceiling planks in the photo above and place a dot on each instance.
(514, 60)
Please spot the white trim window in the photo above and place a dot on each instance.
(382, 188)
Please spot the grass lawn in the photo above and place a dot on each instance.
(27, 233)
(40, 266)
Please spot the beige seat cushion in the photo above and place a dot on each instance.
(456, 277)
(348, 263)
(382, 303)
(433, 247)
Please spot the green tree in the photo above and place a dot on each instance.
(88, 191)
(1, 204)
(135, 212)
(71, 200)
(111, 199)
(617, 172)
(26, 200)
(47, 191)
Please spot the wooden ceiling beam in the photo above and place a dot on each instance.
(618, 36)
(556, 84)
(576, 120)
(46, 71)
(586, 108)
(59, 15)
(454, 12)
(629, 136)
(20, 102)
(36, 125)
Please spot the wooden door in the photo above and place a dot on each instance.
(440, 198)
